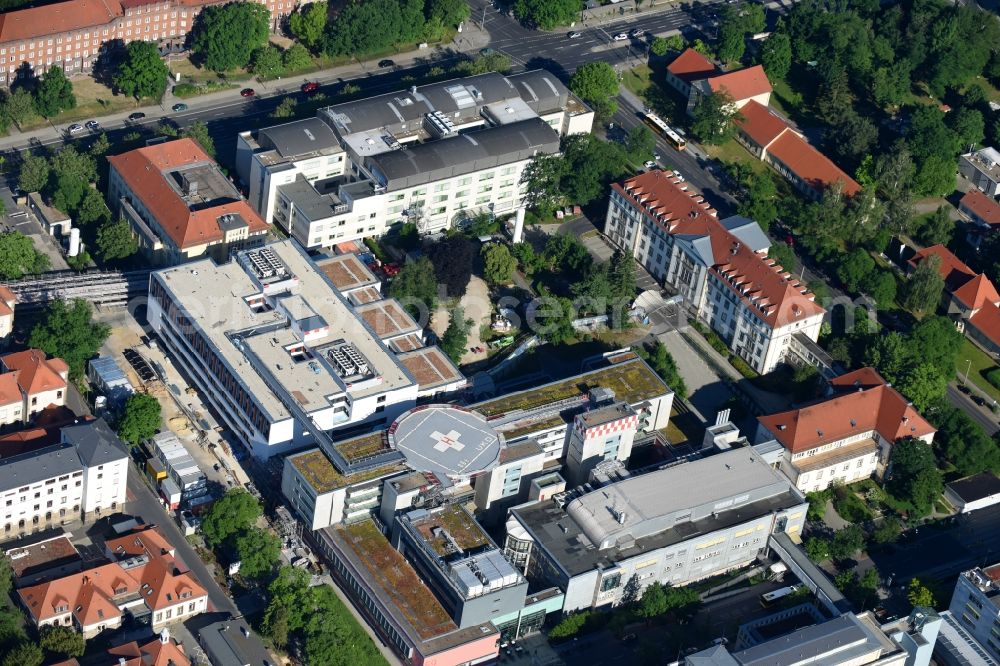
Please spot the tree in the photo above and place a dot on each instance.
(198, 131)
(596, 83)
(232, 515)
(855, 269)
(924, 288)
(527, 259)
(452, 258)
(567, 253)
(308, 24)
(142, 72)
(852, 137)
(552, 318)
(498, 263)
(115, 241)
(141, 419)
(641, 143)
(776, 55)
(920, 595)
(881, 286)
(266, 62)
(101, 146)
(546, 14)
(713, 116)
(456, 335)
(847, 542)
(365, 27)
(590, 167)
(224, 36)
(448, 13)
(541, 179)
(34, 175)
(660, 47)
(964, 443)
(761, 202)
(483, 64)
(935, 228)
(888, 531)
(297, 58)
(924, 385)
(54, 93)
(935, 341)
(969, 125)
(6, 578)
(259, 551)
(662, 362)
(915, 477)
(817, 549)
(67, 331)
(18, 256)
(63, 641)
(415, 287)
(286, 109)
(19, 106)
(25, 654)
(653, 602)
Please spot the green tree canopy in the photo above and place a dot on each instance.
(456, 335)
(62, 641)
(34, 174)
(596, 83)
(498, 263)
(856, 269)
(296, 58)
(67, 331)
(546, 14)
(964, 442)
(448, 13)
(224, 36)
(19, 105)
(115, 241)
(365, 27)
(915, 477)
(881, 286)
(24, 654)
(142, 72)
(713, 116)
(923, 290)
(18, 256)
(452, 258)
(309, 23)
(266, 62)
(919, 594)
(232, 515)
(934, 228)
(776, 55)
(259, 551)
(198, 131)
(54, 93)
(416, 288)
(847, 542)
(660, 359)
(141, 419)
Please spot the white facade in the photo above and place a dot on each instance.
(509, 482)
(182, 610)
(45, 502)
(104, 486)
(602, 434)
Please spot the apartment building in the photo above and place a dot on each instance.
(143, 579)
(49, 484)
(180, 205)
(719, 267)
(674, 525)
(773, 141)
(432, 155)
(29, 383)
(71, 34)
(847, 437)
(7, 302)
(982, 169)
(975, 605)
(284, 356)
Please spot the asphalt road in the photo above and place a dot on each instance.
(982, 415)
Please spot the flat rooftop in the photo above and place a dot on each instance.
(449, 441)
(603, 415)
(300, 139)
(37, 557)
(976, 487)
(525, 449)
(364, 295)
(215, 297)
(347, 272)
(631, 379)
(387, 319)
(459, 525)
(323, 477)
(846, 637)
(431, 367)
(396, 580)
(201, 185)
(406, 343)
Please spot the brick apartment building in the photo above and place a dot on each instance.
(70, 33)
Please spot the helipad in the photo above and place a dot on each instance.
(446, 440)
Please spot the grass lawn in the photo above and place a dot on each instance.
(638, 79)
(193, 74)
(981, 364)
(784, 98)
(732, 151)
(93, 99)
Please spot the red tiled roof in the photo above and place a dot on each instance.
(760, 124)
(691, 66)
(34, 372)
(862, 407)
(985, 208)
(142, 170)
(772, 293)
(10, 392)
(810, 165)
(977, 292)
(7, 301)
(987, 322)
(146, 541)
(57, 18)
(742, 84)
(953, 270)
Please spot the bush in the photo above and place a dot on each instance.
(850, 507)
(570, 626)
(183, 90)
(993, 377)
(817, 504)
(742, 366)
(377, 250)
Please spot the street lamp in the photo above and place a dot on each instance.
(967, 368)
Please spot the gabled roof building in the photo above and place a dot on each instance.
(847, 437)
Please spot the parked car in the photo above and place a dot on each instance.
(93, 125)
(138, 115)
(75, 128)
(620, 37)
(391, 270)
(310, 87)
(649, 164)
(386, 63)
(248, 92)
(180, 106)
(575, 34)
(636, 32)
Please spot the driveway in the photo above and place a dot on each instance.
(706, 391)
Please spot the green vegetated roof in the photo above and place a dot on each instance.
(462, 527)
(320, 473)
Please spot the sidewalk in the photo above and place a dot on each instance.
(469, 41)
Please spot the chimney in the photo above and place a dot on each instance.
(165, 636)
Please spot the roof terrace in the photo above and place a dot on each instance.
(450, 525)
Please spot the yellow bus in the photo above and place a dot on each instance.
(664, 130)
